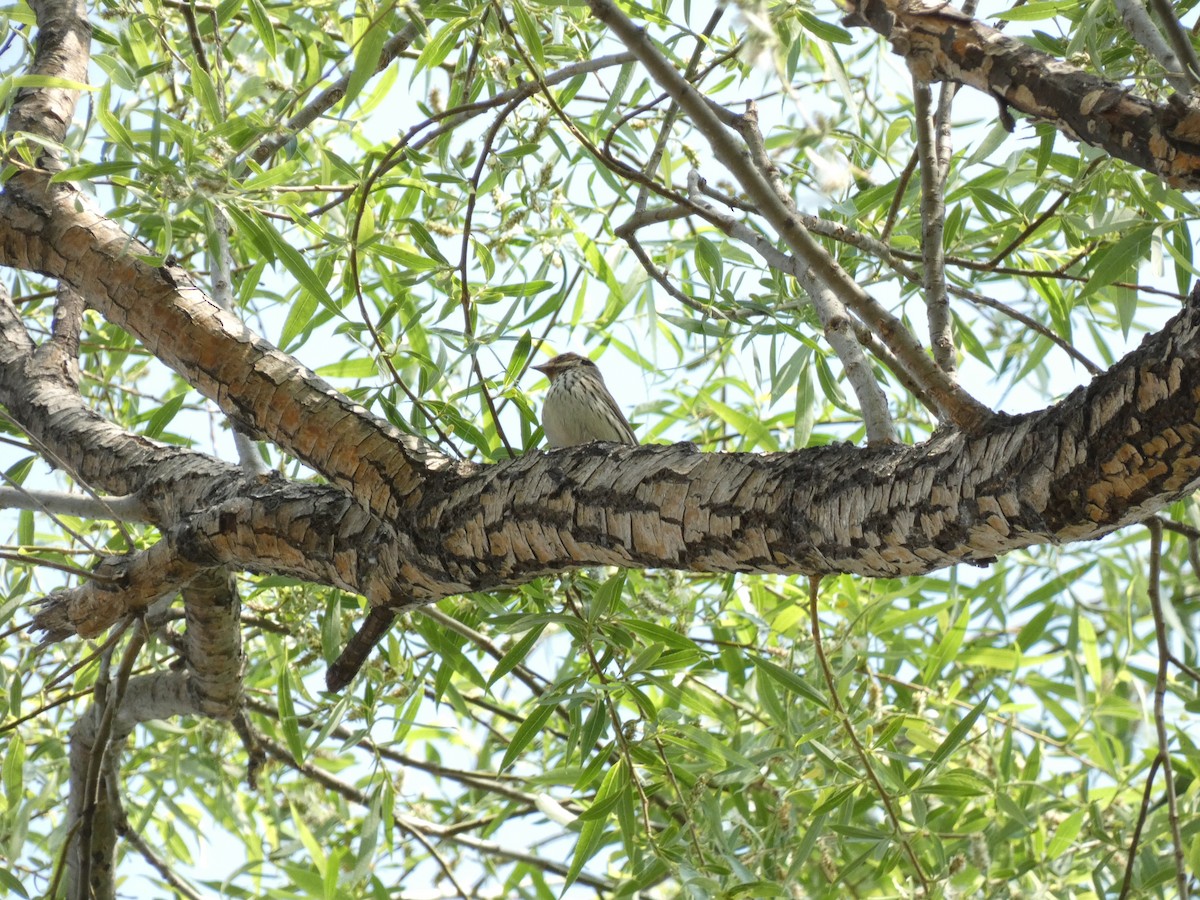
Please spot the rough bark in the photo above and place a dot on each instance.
(940, 43)
(404, 525)
(1106, 456)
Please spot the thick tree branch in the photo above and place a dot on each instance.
(63, 41)
(55, 231)
(1107, 456)
(214, 642)
(940, 43)
(314, 532)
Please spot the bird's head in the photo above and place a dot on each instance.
(564, 362)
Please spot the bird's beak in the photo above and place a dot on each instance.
(544, 368)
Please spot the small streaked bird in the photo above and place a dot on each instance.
(578, 407)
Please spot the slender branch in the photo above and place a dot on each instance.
(1160, 695)
(933, 222)
(847, 726)
(893, 213)
(955, 404)
(1180, 42)
(1143, 813)
(156, 862)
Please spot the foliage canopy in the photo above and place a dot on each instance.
(486, 183)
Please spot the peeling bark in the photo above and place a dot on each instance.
(1108, 455)
(940, 43)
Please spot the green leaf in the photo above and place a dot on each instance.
(522, 289)
(591, 833)
(49, 81)
(656, 633)
(316, 852)
(13, 884)
(366, 60)
(205, 92)
(991, 142)
(825, 30)
(753, 430)
(1065, 834)
(531, 34)
(956, 736)
(1091, 653)
(606, 596)
(516, 654)
(111, 125)
(355, 367)
(439, 47)
(162, 416)
(299, 317)
(528, 730)
(947, 647)
(287, 711)
(1036, 11)
(789, 681)
(708, 261)
(262, 25)
(407, 256)
(1119, 261)
(14, 770)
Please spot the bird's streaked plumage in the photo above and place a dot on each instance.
(578, 407)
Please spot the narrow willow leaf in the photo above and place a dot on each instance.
(956, 736)
(789, 681)
(528, 730)
(615, 783)
(366, 60)
(515, 655)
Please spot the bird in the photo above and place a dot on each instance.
(578, 407)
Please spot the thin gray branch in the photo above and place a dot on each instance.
(221, 264)
(1143, 30)
(120, 509)
(954, 403)
(1180, 40)
(933, 221)
(837, 322)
